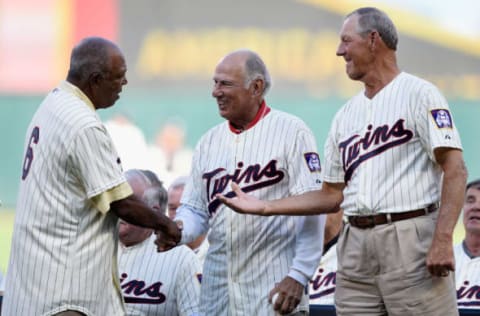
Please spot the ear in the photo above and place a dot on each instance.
(95, 78)
(258, 87)
(373, 37)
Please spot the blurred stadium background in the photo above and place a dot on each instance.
(172, 47)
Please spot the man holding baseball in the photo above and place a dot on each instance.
(270, 154)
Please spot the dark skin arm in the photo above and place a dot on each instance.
(440, 258)
(135, 212)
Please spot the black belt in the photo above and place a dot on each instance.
(370, 221)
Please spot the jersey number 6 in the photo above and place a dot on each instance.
(29, 154)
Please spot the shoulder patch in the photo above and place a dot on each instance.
(442, 118)
(313, 162)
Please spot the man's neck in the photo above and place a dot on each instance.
(383, 72)
(472, 244)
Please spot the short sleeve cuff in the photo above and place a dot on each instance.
(103, 200)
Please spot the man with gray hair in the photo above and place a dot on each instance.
(467, 252)
(395, 155)
(166, 283)
(271, 154)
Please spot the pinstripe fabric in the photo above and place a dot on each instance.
(382, 147)
(64, 249)
(249, 254)
(467, 279)
(159, 283)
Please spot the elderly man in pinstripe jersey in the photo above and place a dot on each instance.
(72, 192)
(395, 155)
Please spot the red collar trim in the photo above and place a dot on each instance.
(264, 110)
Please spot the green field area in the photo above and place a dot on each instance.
(6, 228)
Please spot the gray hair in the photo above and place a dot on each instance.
(374, 19)
(155, 193)
(89, 56)
(255, 69)
(474, 184)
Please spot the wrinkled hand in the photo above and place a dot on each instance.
(440, 258)
(170, 237)
(243, 203)
(289, 292)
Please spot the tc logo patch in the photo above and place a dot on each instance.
(313, 162)
(442, 118)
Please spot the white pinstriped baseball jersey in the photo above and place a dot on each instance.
(322, 284)
(467, 278)
(159, 283)
(63, 248)
(383, 147)
(249, 254)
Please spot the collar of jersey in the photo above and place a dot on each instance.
(67, 86)
(264, 110)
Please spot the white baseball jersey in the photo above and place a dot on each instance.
(322, 284)
(159, 283)
(383, 147)
(63, 253)
(467, 278)
(249, 254)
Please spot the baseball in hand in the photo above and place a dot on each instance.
(274, 298)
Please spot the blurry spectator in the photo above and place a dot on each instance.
(199, 245)
(322, 284)
(467, 253)
(129, 141)
(153, 283)
(169, 155)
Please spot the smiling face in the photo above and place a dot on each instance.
(355, 50)
(237, 101)
(471, 210)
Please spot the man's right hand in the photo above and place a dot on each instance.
(170, 237)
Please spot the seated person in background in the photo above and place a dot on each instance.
(322, 284)
(467, 253)
(153, 283)
(199, 245)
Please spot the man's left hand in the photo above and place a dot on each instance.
(440, 258)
